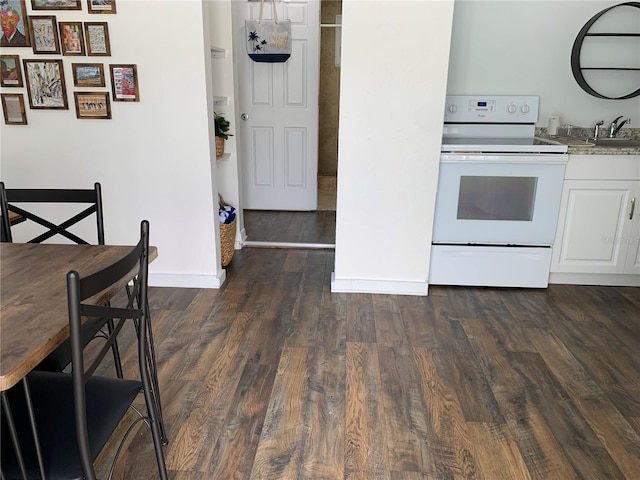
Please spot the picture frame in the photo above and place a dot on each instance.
(56, 5)
(96, 35)
(124, 82)
(101, 6)
(88, 75)
(45, 84)
(44, 34)
(13, 109)
(14, 15)
(92, 105)
(11, 74)
(71, 38)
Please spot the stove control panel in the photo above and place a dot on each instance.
(491, 109)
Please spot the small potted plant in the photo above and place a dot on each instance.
(222, 128)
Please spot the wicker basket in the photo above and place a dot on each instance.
(219, 147)
(227, 241)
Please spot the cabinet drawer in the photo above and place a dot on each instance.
(603, 167)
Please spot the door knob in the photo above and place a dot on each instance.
(244, 116)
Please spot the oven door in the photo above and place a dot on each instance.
(498, 199)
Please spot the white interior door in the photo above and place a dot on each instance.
(278, 133)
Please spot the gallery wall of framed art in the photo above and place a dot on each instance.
(38, 39)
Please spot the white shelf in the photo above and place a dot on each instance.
(220, 100)
(217, 52)
(225, 156)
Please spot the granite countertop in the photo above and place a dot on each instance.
(581, 147)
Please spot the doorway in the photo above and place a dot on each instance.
(312, 227)
(329, 101)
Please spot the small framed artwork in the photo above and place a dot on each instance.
(13, 108)
(97, 36)
(56, 5)
(124, 83)
(15, 28)
(88, 74)
(101, 6)
(45, 84)
(92, 105)
(44, 33)
(11, 73)
(72, 38)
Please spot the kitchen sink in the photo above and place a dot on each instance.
(616, 142)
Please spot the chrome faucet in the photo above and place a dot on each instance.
(614, 128)
(596, 129)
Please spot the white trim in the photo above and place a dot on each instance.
(241, 241)
(289, 245)
(392, 287)
(612, 280)
(187, 281)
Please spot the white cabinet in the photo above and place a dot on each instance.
(598, 235)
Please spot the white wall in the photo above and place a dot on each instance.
(393, 82)
(224, 85)
(524, 47)
(154, 157)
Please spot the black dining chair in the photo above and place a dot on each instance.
(76, 413)
(24, 201)
(84, 203)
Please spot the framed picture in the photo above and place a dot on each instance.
(13, 108)
(97, 36)
(101, 6)
(124, 83)
(92, 105)
(45, 84)
(15, 30)
(56, 5)
(88, 74)
(11, 72)
(44, 34)
(72, 38)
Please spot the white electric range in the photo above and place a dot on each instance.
(498, 196)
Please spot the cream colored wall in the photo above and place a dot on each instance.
(223, 84)
(153, 157)
(393, 85)
(524, 47)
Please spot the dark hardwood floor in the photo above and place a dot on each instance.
(290, 227)
(275, 377)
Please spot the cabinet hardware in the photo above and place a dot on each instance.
(633, 207)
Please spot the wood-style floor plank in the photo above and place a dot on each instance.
(539, 448)
(446, 440)
(365, 455)
(323, 447)
(595, 404)
(274, 376)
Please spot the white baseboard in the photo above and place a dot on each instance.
(612, 280)
(390, 287)
(187, 281)
(321, 246)
(240, 241)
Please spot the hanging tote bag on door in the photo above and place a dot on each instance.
(268, 40)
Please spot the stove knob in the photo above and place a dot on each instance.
(512, 108)
(453, 108)
(525, 108)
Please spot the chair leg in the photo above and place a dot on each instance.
(14, 435)
(153, 369)
(157, 446)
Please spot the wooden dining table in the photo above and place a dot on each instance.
(34, 317)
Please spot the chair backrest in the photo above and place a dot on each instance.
(19, 200)
(96, 404)
(80, 292)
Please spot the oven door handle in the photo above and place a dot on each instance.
(633, 207)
